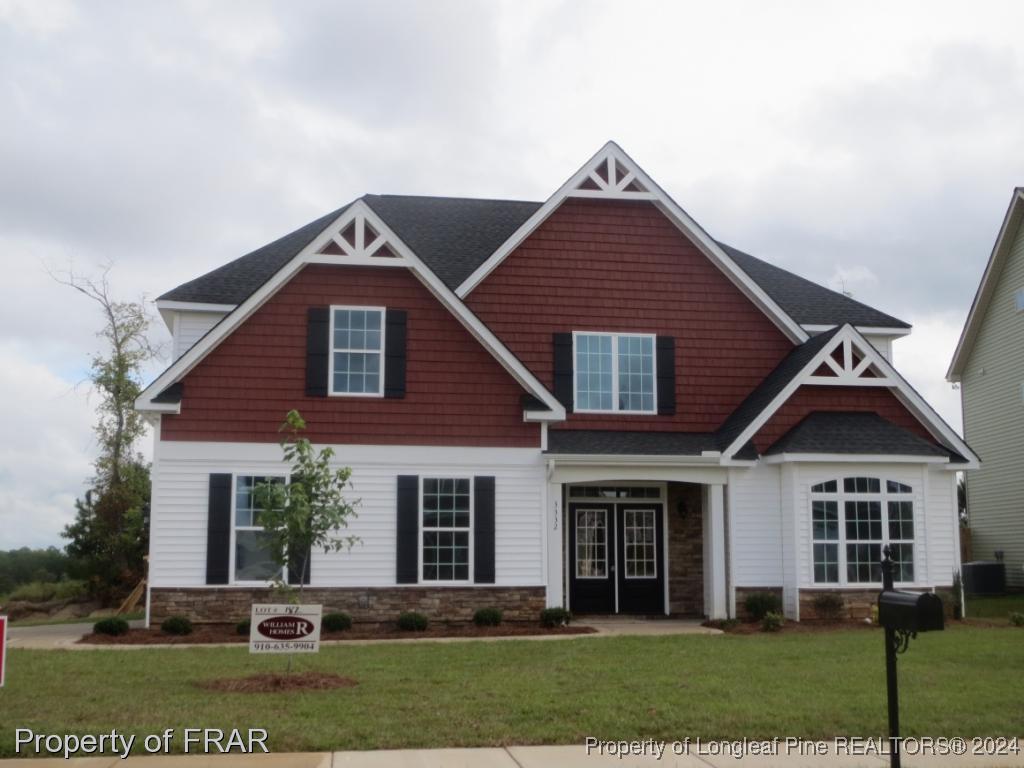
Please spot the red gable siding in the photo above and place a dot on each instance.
(810, 398)
(456, 392)
(623, 266)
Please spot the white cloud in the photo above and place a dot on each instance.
(923, 357)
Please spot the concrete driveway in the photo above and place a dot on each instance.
(51, 636)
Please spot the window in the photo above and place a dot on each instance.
(446, 516)
(849, 550)
(614, 372)
(252, 558)
(640, 544)
(591, 543)
(615, 492)
(357, 344)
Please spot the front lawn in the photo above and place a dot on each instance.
(995, 607)
(964, 681)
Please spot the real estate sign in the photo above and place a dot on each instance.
(285, 628)
(3, 648)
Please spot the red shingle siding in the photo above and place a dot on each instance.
(456, 392)
(824, 398)
(623, 266)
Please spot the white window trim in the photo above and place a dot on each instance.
(419, 524)
(883, 497)
(331, 351)
(235, 527)
(608, 539)
(615, 336)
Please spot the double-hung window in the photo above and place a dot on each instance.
(252, 557)
(614, 373)
(852, 520)
(357, 351)
(446, 519)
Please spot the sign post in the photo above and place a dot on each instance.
(3, 648)
(285, 628)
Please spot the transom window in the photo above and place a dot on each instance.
(447, 518)
(614, 372)
(848, 550)
(615, 492)
(357, 344)
(591, 543)
(252, 556)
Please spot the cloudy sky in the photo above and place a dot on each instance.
(869, 146)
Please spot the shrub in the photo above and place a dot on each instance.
(487, 617)
(760, 604)
(1017, 619)
(111, 626)
(555, 617)
(874, 615)
(829, 606)
(243, 627)
(176, 625)
(337, 621)
(772, 622)
(411, 621)
(44, 591)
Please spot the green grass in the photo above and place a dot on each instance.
(994, 607)
(964, 681)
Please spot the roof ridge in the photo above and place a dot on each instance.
(453, 197)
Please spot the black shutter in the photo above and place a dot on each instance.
(483, 530)
(666, 375)
(218, 530)
(394, 353)
(318, 329)
(293, 573)
(408, 530)
(562, 345)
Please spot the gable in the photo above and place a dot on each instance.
(456, 392)
(622, 266)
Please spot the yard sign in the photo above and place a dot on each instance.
(285, 628)
(3, 648)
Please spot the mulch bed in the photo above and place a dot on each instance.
(204, 634)
(790, 627)
(273, 683)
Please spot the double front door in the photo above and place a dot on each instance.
(616, 557)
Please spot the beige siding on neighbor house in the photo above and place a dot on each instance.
(993, 404)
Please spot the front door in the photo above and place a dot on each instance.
(616, 562)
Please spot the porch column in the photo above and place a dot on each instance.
(554, 531)
(714, 551)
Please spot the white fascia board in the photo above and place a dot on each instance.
(866, 330)
(899, 386)
(852, 458)
(704, 242)
(987, 286)
(243, 311)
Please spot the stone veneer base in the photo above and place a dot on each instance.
(211, 605)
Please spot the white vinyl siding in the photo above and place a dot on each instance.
(756, 526)
(189, 327)
(181, 489)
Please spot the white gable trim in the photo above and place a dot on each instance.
(359, 214)
(867, 330)
(989, 279)
(850, 374)
(855, 458)
(607, 160)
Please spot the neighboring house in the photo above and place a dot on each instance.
(585, 402)
(989, 365)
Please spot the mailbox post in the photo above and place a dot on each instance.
(903, 615)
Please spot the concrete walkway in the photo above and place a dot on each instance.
(66, 636)
(511, 757)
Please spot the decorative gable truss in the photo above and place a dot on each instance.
(358, 237)
(612, 175)
(848, 359)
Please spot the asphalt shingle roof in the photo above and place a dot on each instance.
(598, 441)
(454, 235)
(852, 432)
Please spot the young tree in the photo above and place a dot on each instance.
(309, 511)
(108, 537)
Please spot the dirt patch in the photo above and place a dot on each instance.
(790, 627)
(275, 683)
(204, 634)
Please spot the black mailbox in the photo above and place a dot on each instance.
(910, 611)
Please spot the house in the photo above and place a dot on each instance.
(989, 366)
(586, 402)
